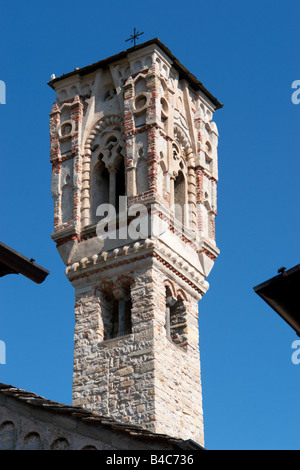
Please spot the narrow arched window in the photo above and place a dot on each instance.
(169, 304)
(176, 324)
(179, 197)
(120, 189)
(99, 189)
(117, 314)
(142, 181)
(67, 203)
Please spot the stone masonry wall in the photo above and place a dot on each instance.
(178, 394)
(115, 377)
(141, 378)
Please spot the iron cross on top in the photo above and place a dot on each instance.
(134, 37)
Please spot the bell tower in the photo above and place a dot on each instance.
(134, 174)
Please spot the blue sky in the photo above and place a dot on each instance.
(246, 53)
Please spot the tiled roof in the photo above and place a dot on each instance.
(92, 418)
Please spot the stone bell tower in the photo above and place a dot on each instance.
(134, 157)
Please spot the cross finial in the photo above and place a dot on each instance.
(134, 36)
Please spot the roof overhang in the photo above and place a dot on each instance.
(12, 262)
(183, 72)
(282, 293)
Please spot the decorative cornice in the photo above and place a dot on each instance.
(65, 234)
(109, 257)
(209, 249)
(136, 251)
(204, 171)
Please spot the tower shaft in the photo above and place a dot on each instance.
(134, 155)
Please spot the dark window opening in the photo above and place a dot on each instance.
(120, 184)
(117, 316)
(176, 324)
(99, 189)
(179, 197)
